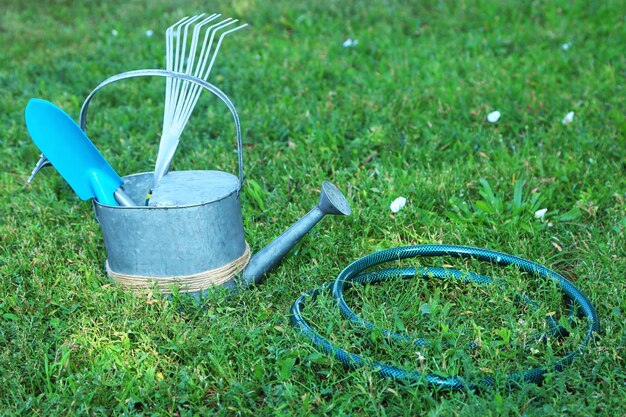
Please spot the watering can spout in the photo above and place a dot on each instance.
(331, 201)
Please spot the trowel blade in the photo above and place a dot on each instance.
(71, 152)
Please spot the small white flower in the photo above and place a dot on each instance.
(566, 46)
(540, 213)
(348, 43)
(114, 32)
(493, 117)
(397, 204)
(149, 33)
(569, 118)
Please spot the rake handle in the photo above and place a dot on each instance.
(185, 77)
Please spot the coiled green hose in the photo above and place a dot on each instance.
(353, 274)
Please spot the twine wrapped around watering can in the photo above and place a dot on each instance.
(187, 283)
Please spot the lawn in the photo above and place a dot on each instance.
(401, 112)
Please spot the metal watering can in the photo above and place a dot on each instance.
(195, 244)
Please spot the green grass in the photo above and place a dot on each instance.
(402, 113)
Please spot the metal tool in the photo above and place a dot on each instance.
(43, 162)
(173, 238)
(181, 96)
(71, 152)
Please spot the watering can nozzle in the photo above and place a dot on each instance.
(331, 201)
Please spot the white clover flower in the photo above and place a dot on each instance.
(149, 33)
(539, 214)
(566, 46)
(349, 43)
(397, 204)
(114, 32)
(493, 117)
(569, 118)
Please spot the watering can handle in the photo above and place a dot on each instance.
(163, 73)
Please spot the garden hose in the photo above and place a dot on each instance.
(354, 274)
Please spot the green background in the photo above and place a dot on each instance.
(403, 113)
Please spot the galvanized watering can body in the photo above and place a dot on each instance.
(170, 241)
(180, 239)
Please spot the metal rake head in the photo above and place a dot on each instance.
(184, 55)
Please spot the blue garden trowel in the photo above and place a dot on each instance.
(70, 151)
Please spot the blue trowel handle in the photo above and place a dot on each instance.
(101, 185)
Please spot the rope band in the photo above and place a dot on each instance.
(187, 283)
